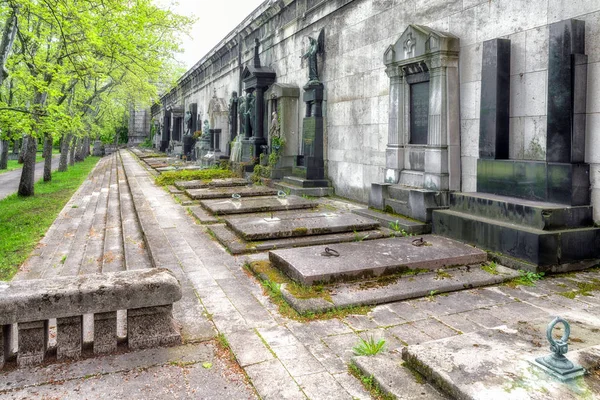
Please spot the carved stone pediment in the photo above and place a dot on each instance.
(419, 41)
(217, 105)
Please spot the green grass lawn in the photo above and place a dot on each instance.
(14, 164)
(25, 220)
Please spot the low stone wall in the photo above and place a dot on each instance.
(147, 295)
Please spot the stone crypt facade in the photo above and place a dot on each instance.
(402, 99)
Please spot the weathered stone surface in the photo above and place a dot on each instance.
(494, 363)
(237, 245)
(395, 379)
(202, 216)
(69, 337)
(373, 258)
(227, 192)
(105, 332)
(259, 228)
(395, 222)
(200, 184)
(34, 300)
(257, 204)
(33, 342)
(151, 327)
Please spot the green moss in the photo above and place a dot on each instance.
(369, 383)
(205, 175)
(490, 268)
(301, 231)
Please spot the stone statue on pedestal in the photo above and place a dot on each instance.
(316, 47)
(242, 114)
(205, 129)
(251, 111)
(188, 123)
(274, 129)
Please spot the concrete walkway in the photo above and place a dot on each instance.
(103, 226)
(9, 181)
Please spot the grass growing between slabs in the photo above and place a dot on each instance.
(25, 220)
(271, 280)
(170, 177)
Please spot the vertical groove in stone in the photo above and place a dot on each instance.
(566, 45)
(495, 100)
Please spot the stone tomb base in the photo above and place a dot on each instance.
(537, 236)
(256, 205)
(382, 271)
(373, 259)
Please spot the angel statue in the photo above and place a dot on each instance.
(316, 47)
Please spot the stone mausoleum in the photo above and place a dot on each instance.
(480, 118)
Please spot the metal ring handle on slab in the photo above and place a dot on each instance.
(558, 347)
(419, 242)
(236, 197)
(281, 194)
(330, 253)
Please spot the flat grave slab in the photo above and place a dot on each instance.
(496, 364)
(261, 228)
(257, 205)
(237, 245)
(200, 184)
(221, 193)
(374, 258)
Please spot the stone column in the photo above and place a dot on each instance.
(152, 327)
(258, 136)
(495, 100)
(396, 134)
(5, 343)
(105, 332)
(69, 337)
(566, 56)
(33, 342)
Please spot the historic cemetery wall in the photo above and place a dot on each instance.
(358, 32)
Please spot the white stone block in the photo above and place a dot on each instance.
(593, 88)
(469, 183)
(536, 56)
(469, 137)
(461, 24)
(559, 10)
(592, 139)
(516, 138)
(470, 63)
(518, 53)
(534, 138)
(470, 99)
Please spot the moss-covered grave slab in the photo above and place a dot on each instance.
(290, 226)
(228, 192)
(257, 204)
(202, 184)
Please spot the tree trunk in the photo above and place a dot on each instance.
(4, 154)
(28, 172)
(87, 147)
(79, 150)
(72, 152)
(8, 38)
(64, 152)
(47, 158)
(23, 150)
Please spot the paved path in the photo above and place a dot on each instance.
(283, 358)
(9, 181)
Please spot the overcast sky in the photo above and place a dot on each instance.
(216, 18)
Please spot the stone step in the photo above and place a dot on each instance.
(412, 178)
(248, 205)
(421, 285)
(398, 192)
(415, 203)
(544, 250)
(254, 228)
(372, 259)
(538, 215)
(200, 184)
(201, 215)
(305, 183)
(300, 191)
(227, 192)
(397, 206)
(395, 222)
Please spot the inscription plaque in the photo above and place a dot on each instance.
(308, 136)
(419, 112)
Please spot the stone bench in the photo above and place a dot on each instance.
(147, 295)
